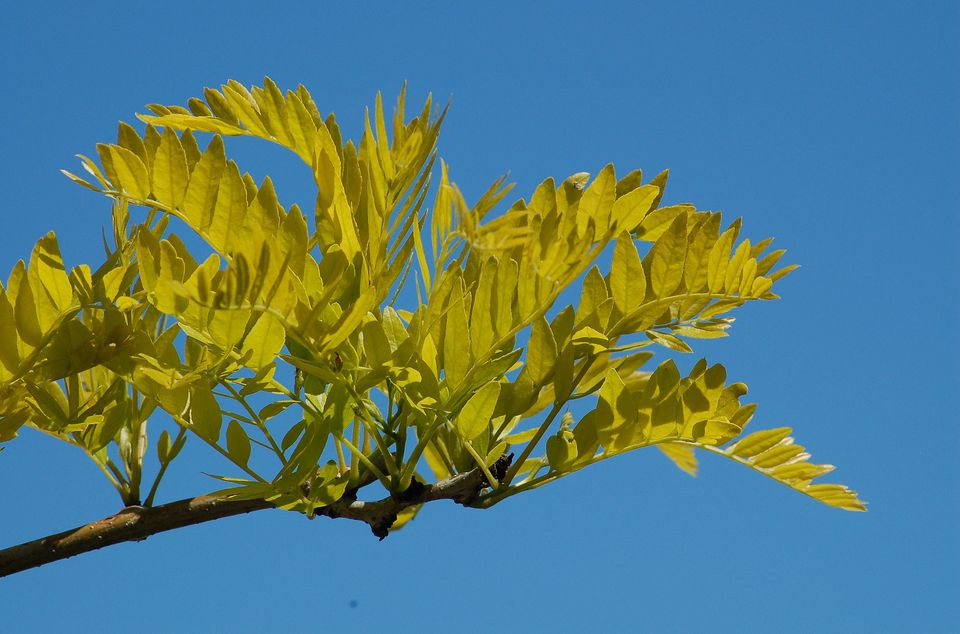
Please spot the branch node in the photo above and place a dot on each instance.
(413, 493)
(381, 525)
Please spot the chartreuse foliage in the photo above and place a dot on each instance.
(484, 358)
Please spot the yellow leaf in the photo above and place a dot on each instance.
(230, 209)
(475, 416)
(541, 351)
(383, 143)
(9, 356)
(659, 221)
(201, 196)
(272, 109)
(627, 282)
(332, 205)
(695, 269)
(350, 320)
(244, 107)
(131, 172)
(482, 313)
(681, 455)
(506, 297)
(719, 259)
(226, 327)
(169, 179)
(238, 443)
(262, 345)
(735, 267)
(456, 343)
(665, 260)
(303, 129)
(630, 209)
(191, 122)
(773, 453)
(205, 415)
(52, 284)
(598, 200)
(125, 303)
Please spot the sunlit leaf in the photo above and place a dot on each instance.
(474, 418)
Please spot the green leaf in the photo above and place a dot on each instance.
(474, 418)
(482, 314)
(563, 377)
(205, 415)
(163, 447)
(106, 431)
(562, 450)
(393, 328)
(329, 486)
(9, 354)
(292, 434)
(541, 351)
(773, 453)
(456, 344)
(262, 345)
(238, 443)
(151, 319)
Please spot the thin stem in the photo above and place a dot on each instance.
(342, 463)
(421, 445)
(558, 404)
(118, 475)
(371, 427)
(355, 456)
(223, 452)
(110, 476)
(256, 420)
(163, 469)
(481, 463)
(359, 455)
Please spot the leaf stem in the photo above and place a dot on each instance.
(356, 454)
(558, 404)
(262, 426)
(223, 452)
(163, 469)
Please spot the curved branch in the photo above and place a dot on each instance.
(136, 523)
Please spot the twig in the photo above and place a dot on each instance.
(136, 523)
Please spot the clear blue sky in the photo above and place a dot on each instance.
(830, 125)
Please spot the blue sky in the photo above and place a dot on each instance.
(832, 126)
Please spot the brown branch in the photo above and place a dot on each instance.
(136, 523)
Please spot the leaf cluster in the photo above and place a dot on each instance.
(288, 345)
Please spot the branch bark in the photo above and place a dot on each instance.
(136, 523)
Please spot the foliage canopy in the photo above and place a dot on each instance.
(284, 344)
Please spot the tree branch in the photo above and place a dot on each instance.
(136, 523)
